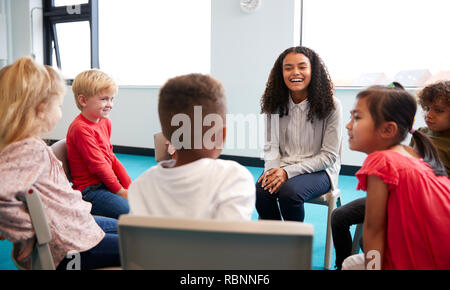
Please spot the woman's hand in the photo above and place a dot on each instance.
(273, 179)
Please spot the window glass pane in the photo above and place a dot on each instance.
(146, 42)
(74, 47)
(375, 42)
(69, 2)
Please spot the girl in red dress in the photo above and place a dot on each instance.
(407, 215)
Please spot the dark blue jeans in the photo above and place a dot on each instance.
(104, 254)
(288, 202)
(104, 202)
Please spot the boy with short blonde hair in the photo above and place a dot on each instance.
(196, 184)
(91, 82)
(95, 170)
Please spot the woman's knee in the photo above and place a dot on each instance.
(261, 193)
(289, 194)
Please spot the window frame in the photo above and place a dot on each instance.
(56, 15)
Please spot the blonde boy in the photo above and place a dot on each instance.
(196, 185)
(95, 170)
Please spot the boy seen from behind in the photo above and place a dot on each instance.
(192, 112)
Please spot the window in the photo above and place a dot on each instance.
(71, 35)
(74, 46)
(146, 42)
(139, 42)
(376, 42)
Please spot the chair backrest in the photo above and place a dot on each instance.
(161, 147)
(60, 150)
(41, 258)
(155, 243)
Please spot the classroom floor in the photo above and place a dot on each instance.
(315, 214)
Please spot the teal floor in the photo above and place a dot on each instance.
(315, 214)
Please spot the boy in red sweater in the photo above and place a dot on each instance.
(95, 170)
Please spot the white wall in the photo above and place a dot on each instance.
(5, 27)
(19, 38)
(244, 48)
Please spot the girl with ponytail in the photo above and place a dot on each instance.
(408, 193)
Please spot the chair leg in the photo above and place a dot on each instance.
(41, 258)
(329, 238)
(356, 239)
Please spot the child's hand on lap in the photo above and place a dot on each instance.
(26, 248)
(123, 193)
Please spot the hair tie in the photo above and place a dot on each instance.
(412, 131)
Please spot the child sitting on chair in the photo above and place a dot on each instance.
(196, 184)
(95, 170)
(435, 102)
(408, 193)
(31, 96)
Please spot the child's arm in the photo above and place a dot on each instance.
(272, 144)
(26, 248)
(374, 232)
(121, 173)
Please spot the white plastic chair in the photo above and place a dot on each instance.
(60, 150)
(41, 258)
(157, 243)
(332, 199)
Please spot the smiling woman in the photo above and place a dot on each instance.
(302, 157)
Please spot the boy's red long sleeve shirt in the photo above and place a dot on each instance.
(91, 158)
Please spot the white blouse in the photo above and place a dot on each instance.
(299, 146)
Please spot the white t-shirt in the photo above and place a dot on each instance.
(204, 189)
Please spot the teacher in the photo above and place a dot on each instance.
(304, 136)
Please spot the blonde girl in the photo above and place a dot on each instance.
(31, 96)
